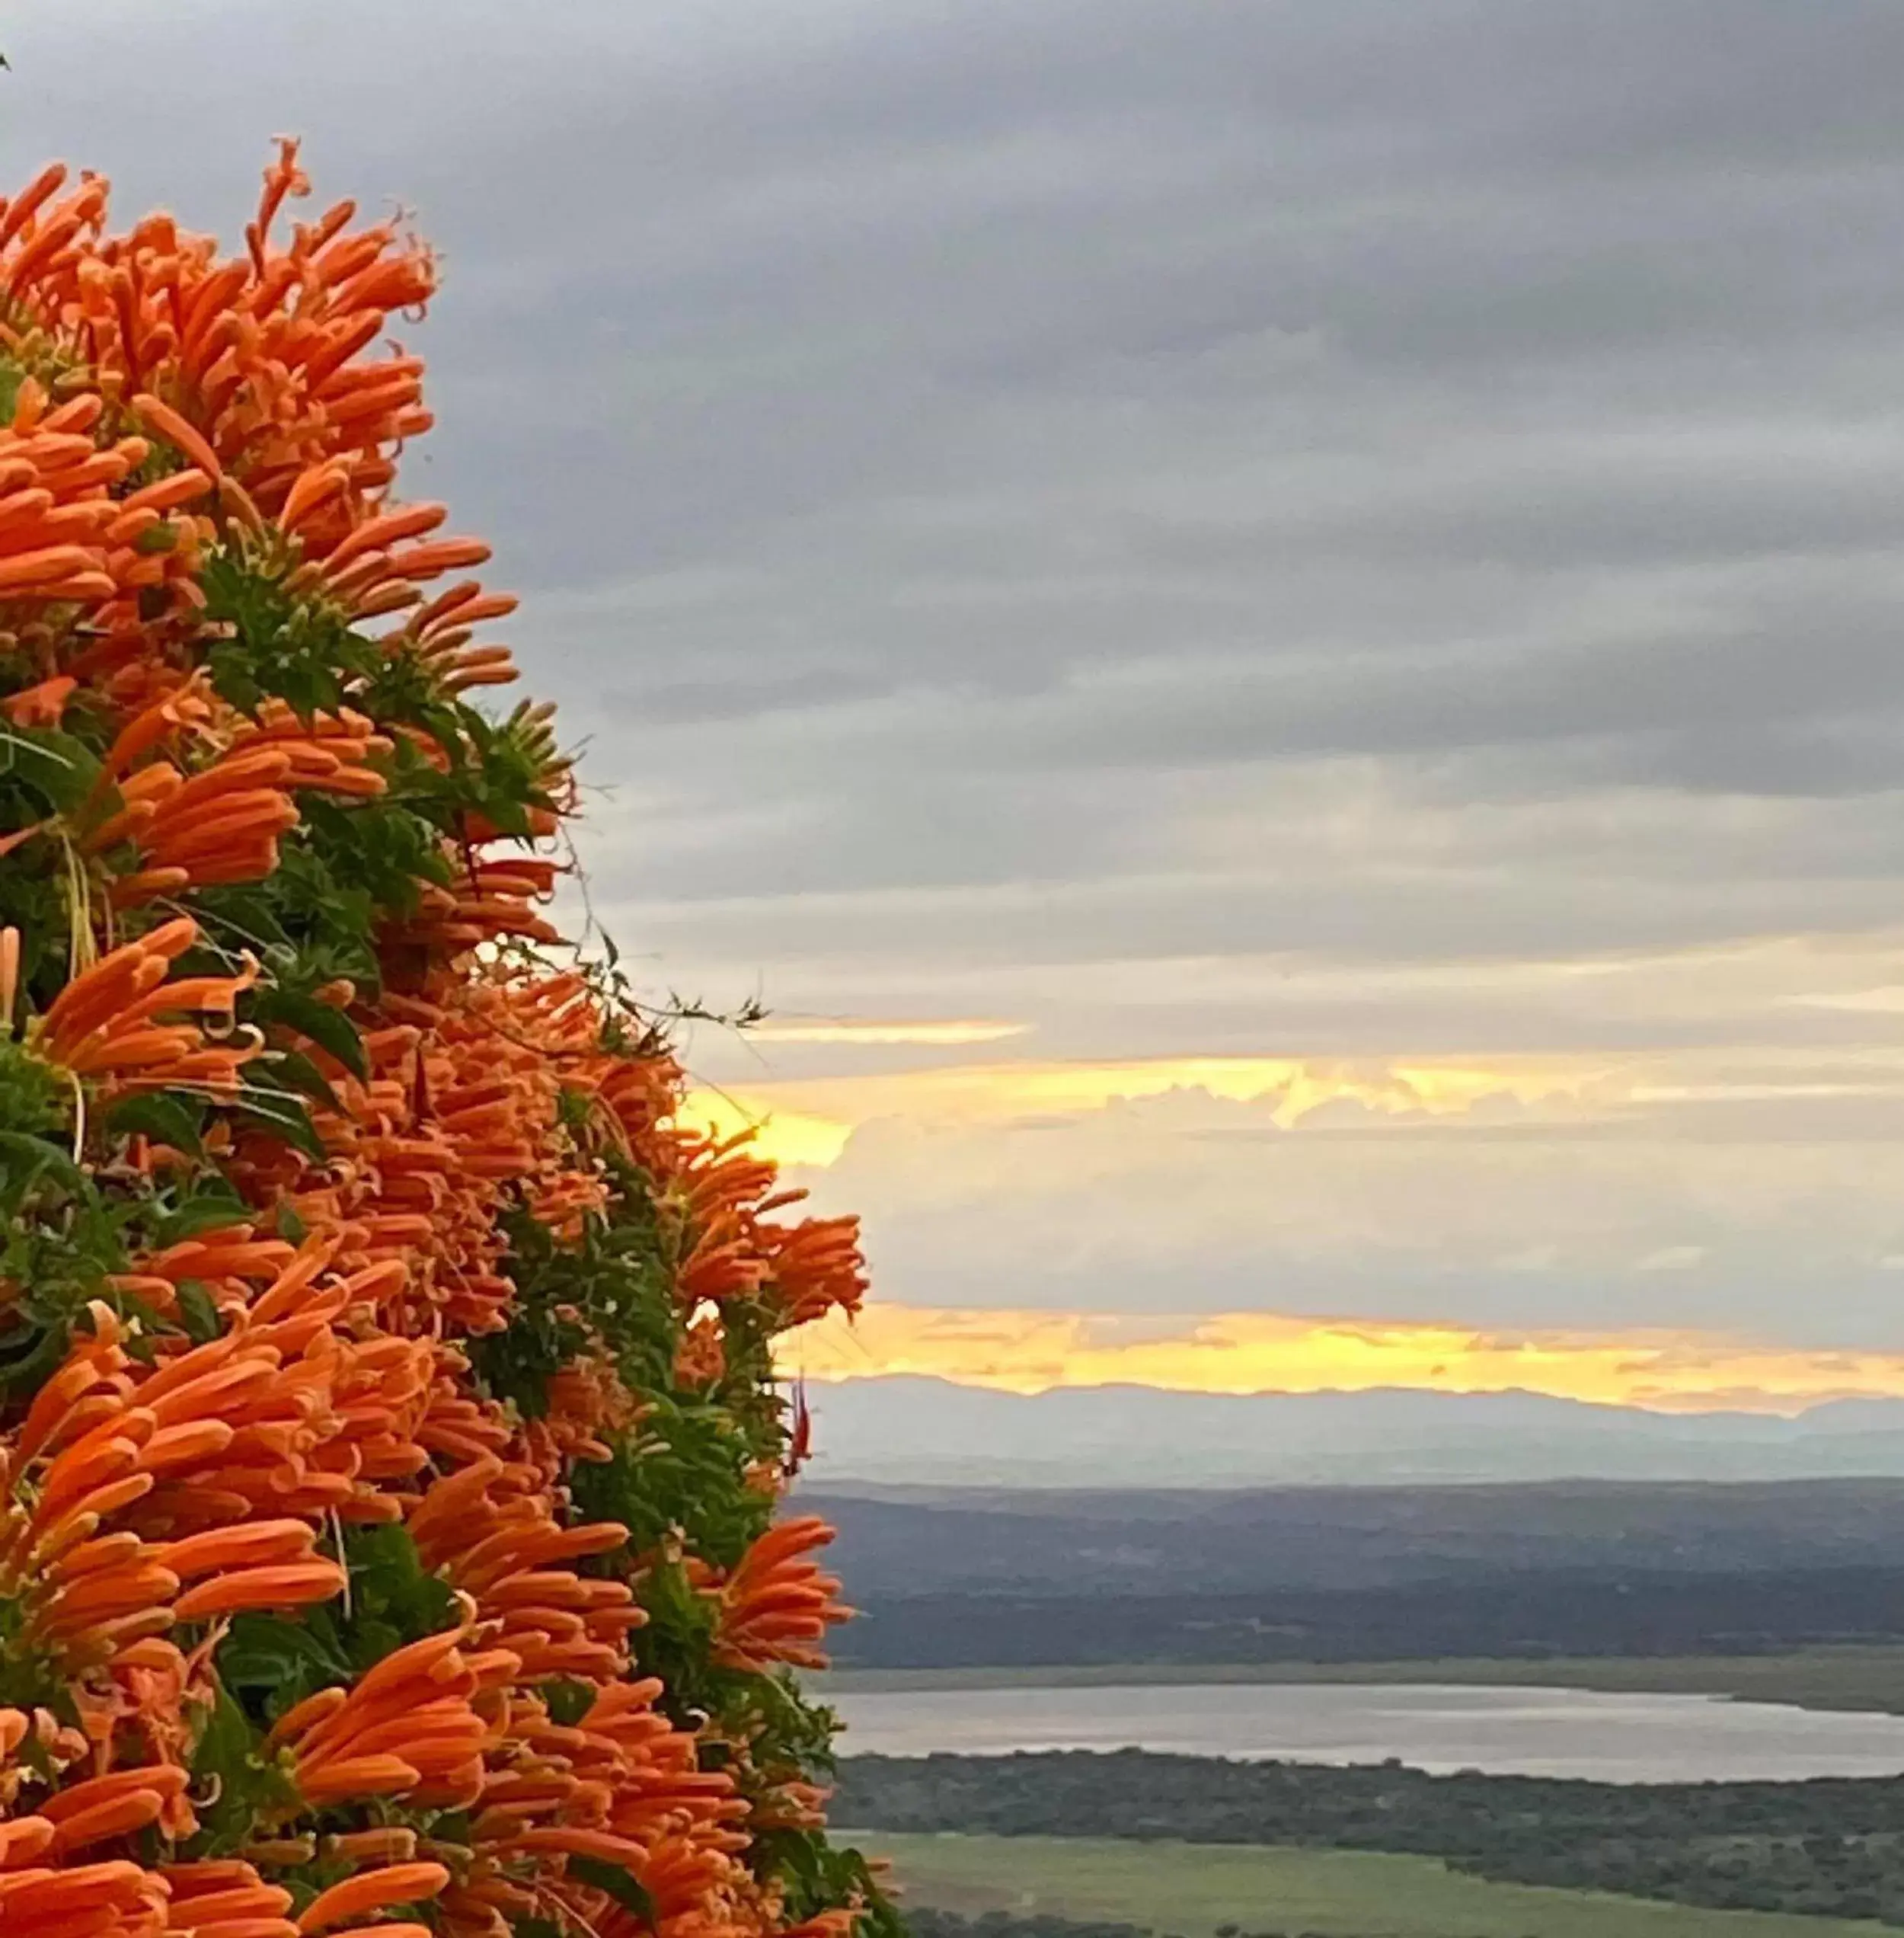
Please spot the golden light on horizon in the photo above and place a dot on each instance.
(808, 1120)
(1241, 1353)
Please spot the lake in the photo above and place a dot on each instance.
(1639, 1738)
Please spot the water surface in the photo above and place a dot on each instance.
(1622, 1738)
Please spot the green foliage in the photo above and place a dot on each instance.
(353, 865)
(393, 1600)
(43, 775)
(30, 1677)
(383, 848)
(66, 1230)
(170, 1116)
(1829, 1847)
(271, 1107)
(242, 1785)
(493, 769)
(62, 1237)
(683, 1467)
(799, 1730)
(618, 1884)
(277, 645)
(201, 1203)
(615, 1280)
(280, 643)
(678, 1479)
(922, 1921)
(674, 1642)
(42, 771)
(817, 1875)
(32, 1100)
(267, 1664)
(306, 924)
(330, 1028)
(272, 1662)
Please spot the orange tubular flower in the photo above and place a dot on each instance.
(326, 752)
(226, 1899)
(778, 1605)
(222, 821)
(113, 1900)
(495, 1538)
(816, 1267)
(407, 1726)
(701, 1359)
(372, 1891)
(623, 1785)
(57, 515)
(105, 1449)
(110, 1023)
(442, 634)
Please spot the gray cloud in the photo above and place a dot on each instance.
(1698, 1216)
(1143, 517)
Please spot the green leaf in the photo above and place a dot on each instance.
(244, 916)
(25, 1159)
(393, 1598)
(569, 1702)
(32, 1355)
(619, 1884)
(196, 1312)
(55, 767)
(163, 1115)
(331, 1029)
(213, 1203)
(298, 1070)
(227, 1766)
(282, 1114)
(277, 1660)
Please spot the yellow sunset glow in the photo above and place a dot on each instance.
(787, 1136)
(1028, 1352)
(807, 1121)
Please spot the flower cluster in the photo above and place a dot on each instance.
(390, 1447)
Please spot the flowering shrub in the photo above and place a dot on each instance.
(389, 1449)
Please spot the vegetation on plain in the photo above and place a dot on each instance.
(1196, 1890)
(1831, 1848)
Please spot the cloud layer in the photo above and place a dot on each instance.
(1358, 533)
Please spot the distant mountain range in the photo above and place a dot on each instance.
(913, 1432)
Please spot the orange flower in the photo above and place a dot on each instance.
(108, 1023)
(407, 1725)
(778, 1605)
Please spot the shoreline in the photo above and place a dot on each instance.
(1850, 1677)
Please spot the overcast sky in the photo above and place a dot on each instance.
(1353, 533)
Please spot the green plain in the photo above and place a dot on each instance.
(1847, 1678)
(1190, 1889)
